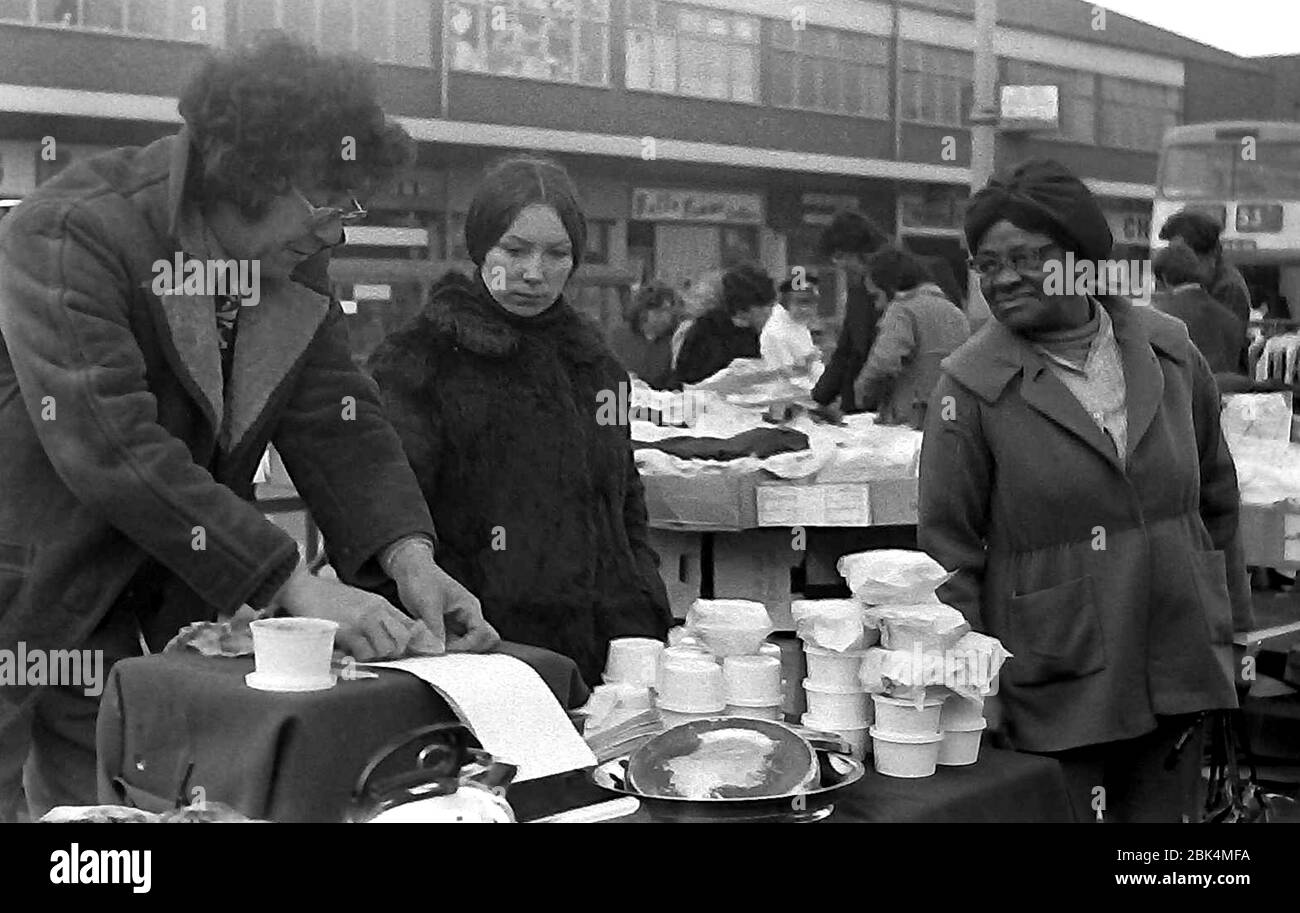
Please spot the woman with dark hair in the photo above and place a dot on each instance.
(921, 327)
(500, 393)
(730, 330)
(644, 344)
(1075, 479)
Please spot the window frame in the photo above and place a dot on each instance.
(845, 59)
(919, 72)
(1108, 106)
(483, 10)
(655, 30)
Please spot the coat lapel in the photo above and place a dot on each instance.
(1144, 381)
(1046, 394)
(272, 337)
(189, 320)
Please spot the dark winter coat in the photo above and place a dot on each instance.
(713, 342)
(528, 471)
(120, 446)
(1215, 330)
(1117, 587)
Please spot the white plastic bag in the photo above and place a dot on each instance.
(895, 576)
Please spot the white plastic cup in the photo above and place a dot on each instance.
(293, 649)
(678, 656)
(959, 712)
(834, 669)
(752, 681)
(961, 747)
(764, 712)
(692, 687)
(732, 640)
(897, 715)
(633, 660)
(907, 755)
(856, 737)
(838, 708)
(673, 718)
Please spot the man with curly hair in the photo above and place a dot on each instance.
(134, 421)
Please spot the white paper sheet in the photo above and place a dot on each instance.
(508, 706)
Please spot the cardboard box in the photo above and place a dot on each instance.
(755, 564)
(723, 501)
(1270, 535)
(680, 566)
(891, 502)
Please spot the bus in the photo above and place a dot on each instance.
(1246, 174)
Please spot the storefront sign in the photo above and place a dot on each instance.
(820, 208)
(653, 205)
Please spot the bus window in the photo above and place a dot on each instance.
(1195, 172)
(1273, 174)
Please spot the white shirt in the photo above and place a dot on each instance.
(785, 342)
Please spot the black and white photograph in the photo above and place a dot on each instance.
(651, 412)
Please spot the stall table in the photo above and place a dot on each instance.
(173, 724)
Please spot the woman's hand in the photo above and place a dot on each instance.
(451, 612)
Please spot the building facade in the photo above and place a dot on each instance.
(700, 133)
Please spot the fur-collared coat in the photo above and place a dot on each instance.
(537, 501)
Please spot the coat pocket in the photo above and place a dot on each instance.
(1211, 573)
(1058, 631)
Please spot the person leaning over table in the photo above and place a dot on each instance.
(134, 422)
(920, 328)
(505, 399)
(731, 330)
(643, 345)
(1074, 476)
(700, 296)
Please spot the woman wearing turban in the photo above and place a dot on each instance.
(1075, 478)
(506, 402)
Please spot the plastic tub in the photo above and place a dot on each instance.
(898, 715)
(906, 755)
(293, 650)
(961, 746)
(960, 712)
(752, 681)
(732, 640)
(856, 737)
(763, 712)
(834, 669)
(692, 687)
(839, 708)
(633, 660)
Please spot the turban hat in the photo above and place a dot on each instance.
(1042, 195)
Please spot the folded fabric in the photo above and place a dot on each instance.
(759, 442)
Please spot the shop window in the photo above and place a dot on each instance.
(553, 40)
(820, 69)
(1077, 92)
(689, 51)
(739, 244)
(932, 206)
(598, 232)
(1135, 115)
(933, 82)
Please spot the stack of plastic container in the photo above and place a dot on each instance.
(834, 643)
(721, 664)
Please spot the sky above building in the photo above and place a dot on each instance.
(1247, 27)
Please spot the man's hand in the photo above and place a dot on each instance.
(451, 612)
(370, 627)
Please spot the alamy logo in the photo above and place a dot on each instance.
(1126, 278)
(78, 866)
(240, 279)
(66, 668)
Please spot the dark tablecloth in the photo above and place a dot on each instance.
(1003, 786)
(172, 724)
